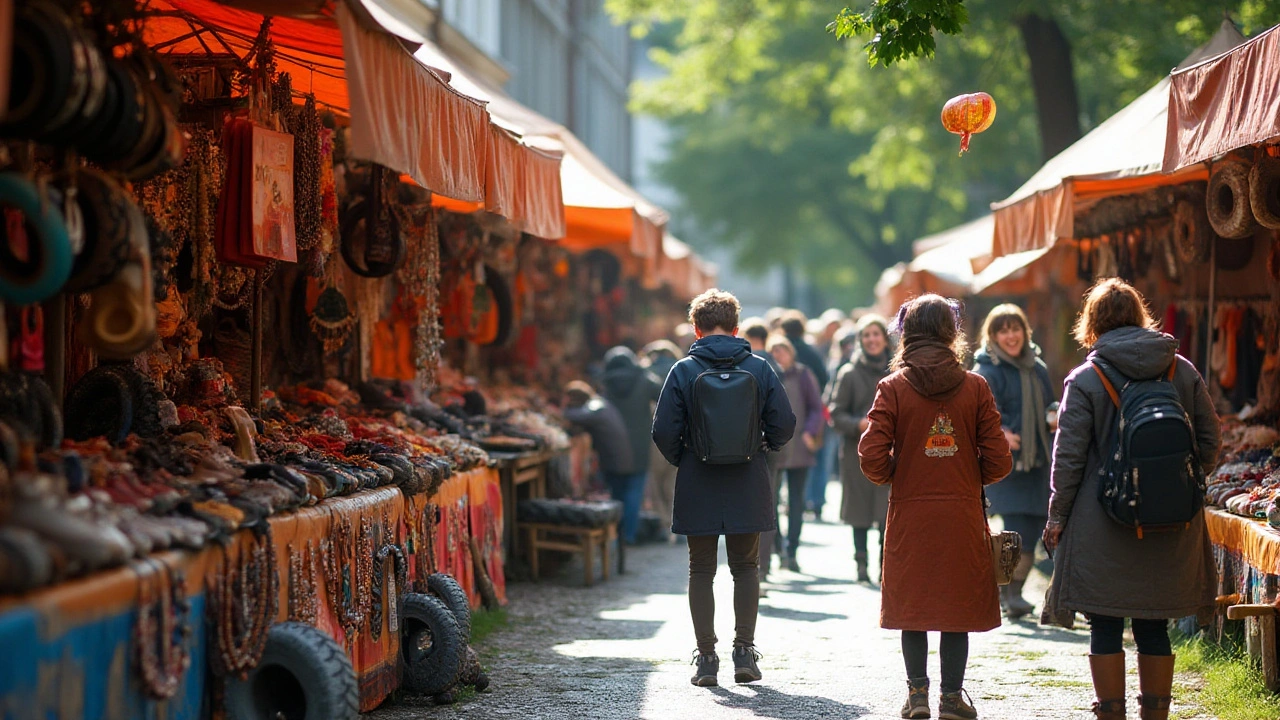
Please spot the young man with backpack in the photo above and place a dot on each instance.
(721, 411)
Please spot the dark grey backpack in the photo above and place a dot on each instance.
(1151, 477)
(724, 413)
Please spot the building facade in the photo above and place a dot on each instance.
(566, 59)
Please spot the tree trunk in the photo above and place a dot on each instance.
(1054, 82)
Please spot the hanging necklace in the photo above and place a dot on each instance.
(392, 583)
(163, 630)
(242, 601)
(303, 603)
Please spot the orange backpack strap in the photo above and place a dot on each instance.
(1111, 389)
(1173, 366)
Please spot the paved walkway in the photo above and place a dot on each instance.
(622, 650)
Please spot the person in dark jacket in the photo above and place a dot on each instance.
(660, 356)
(840, 354)
(862, 504)
(633, 390)
(756, 331)
(733, 500)
(797, 457)
(1101, 568)
(602, 421)
(1010, 362)
(793, 325)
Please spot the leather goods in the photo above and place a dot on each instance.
(46, 264)
(1006, 549)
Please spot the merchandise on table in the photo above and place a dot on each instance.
(1247, 480)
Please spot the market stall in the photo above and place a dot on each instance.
(204, 231)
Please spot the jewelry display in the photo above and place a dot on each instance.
(304, 604)
(162, 632)
(242, 604)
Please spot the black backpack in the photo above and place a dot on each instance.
(724, 414)
(1152, 478)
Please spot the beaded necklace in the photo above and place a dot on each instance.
(304, 604)
(163, 630)
(349, 585)
(242, 601)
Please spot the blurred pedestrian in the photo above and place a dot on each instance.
(601, 420)
(726, 498)
(933, 432)
(685, 335)
(1019, 380)
(825, 466)
(793, 326)
(863, 505)
(756, 333)
(799, 455)
(1104, 569)
(633, 390)
(661, 356)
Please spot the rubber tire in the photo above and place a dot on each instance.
(1264, 192)
(446, 587)
(303, 659)
(1191, 233)
(436, 670)
(1227, 201)
(87, 414)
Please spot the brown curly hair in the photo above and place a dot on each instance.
(1109, 305)
(714, 310)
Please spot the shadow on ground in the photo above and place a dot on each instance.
(767, 702)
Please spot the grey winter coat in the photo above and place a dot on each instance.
(1102, 567)
(1023, 492)
(633, 390)
(862, 503)
(721, 499)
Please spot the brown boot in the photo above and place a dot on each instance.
(1108, 685)
(861, 560)
(1155, 678)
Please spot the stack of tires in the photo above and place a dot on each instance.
(305, 674)
(576, 513)
(1243, 197)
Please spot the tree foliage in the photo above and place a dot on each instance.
(792, 149)
(901, 29)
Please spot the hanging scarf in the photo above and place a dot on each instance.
(1035, 430)
(879, 363)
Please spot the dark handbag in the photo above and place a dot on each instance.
(1006, 548)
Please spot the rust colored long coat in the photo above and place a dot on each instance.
(937, 451)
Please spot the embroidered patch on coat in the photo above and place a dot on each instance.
(942, 437)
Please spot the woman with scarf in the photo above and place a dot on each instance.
(1019, 380)
(934, 434)
(862, 504)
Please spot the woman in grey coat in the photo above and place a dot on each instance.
(1101, 568)
(1019, 381)
(863, 504)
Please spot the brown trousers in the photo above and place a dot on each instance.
(744, 565)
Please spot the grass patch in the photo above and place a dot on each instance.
(1054, 683)
(485, 622)
(1232, 687)
(1043, 671)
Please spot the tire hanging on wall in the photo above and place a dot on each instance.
(1227, 200)
(1191, 232)
(447, 589)
(1264, 191)
(304, 674)
(431, 645)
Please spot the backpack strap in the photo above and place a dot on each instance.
(1173, 366)
(1106, 383)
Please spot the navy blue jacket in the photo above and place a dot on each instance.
(1023, 491)
(721, 499)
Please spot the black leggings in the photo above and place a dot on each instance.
(1106, 635)
(954, 651)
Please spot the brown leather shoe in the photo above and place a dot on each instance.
(1155, 678)
(917, 705)
(1108, 685)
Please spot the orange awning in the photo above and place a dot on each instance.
(1227, 102)
(1121, 156)
(600, 209)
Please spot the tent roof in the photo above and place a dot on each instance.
(1108, 160)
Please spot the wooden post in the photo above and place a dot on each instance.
(255, 352)
(55, 346)
(1262, 636)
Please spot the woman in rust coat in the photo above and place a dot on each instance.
(934, 434)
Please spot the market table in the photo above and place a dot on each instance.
(1247, 553)
(71, 650)
(515, 470)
